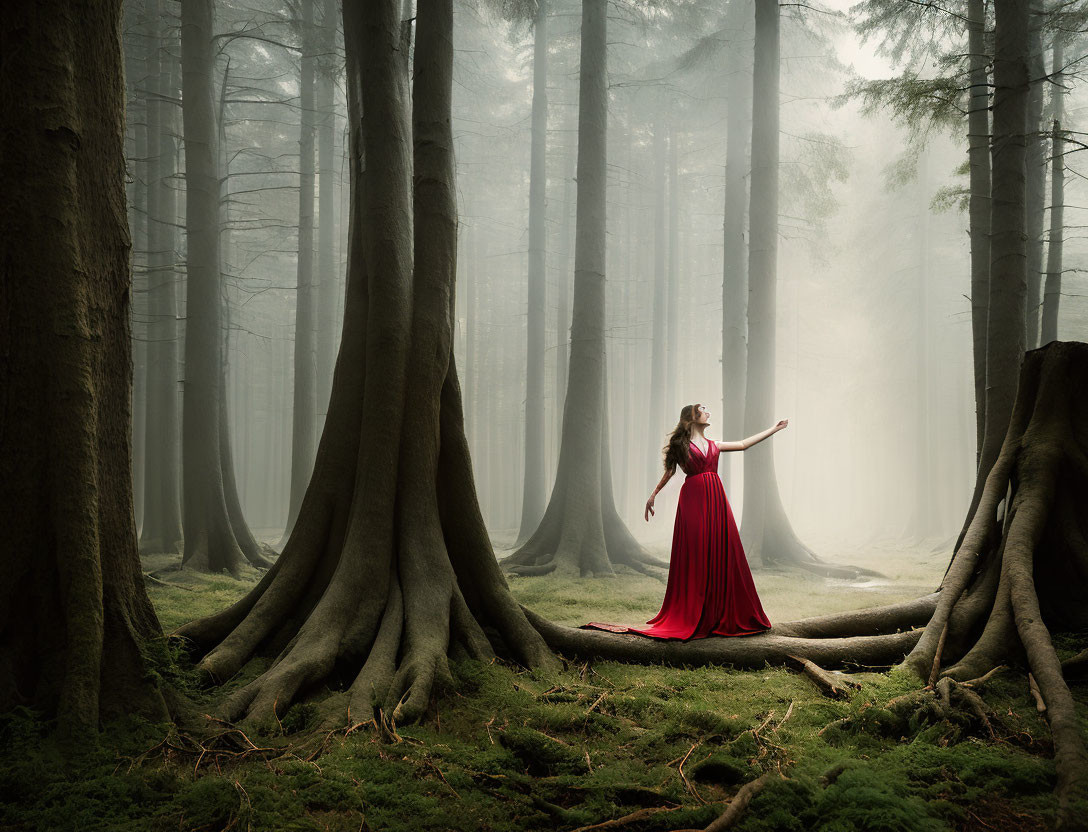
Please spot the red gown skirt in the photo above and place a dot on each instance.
(710, 591)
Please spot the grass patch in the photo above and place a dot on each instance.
(520, 750)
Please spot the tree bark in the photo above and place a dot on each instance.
(161, 530)
(978, 154)
(328, 286)
(534, 495)
(1008, 249)
(388, 572)
(1035, 199)
(1052, 292)
(658, 345)
(74, 615)
(672, 345)
(581, 532)
(1019, 572)
(734, 262)
(210, 541)
(303, 424)
(768, 536)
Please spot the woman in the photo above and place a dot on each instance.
(710, 590)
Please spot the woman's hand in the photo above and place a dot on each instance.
(782, 424)
(649, 508)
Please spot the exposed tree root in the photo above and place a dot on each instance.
(388, 572)
(1020, 563)
(748, 651)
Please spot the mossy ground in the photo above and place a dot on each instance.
(510, 750)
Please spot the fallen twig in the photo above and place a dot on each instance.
(615, 823)
(830, 684)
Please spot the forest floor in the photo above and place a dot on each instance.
(632, 747)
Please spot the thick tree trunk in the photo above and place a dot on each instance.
(581, 533)
(735, 262)
(73, 611)
(161, 529)
(768, 536)
(978, 155)
(1052, 291)
(210, 542)
(389, 570)
(534, 494)
(1020, 570)
(304, 411)
(1008, 248)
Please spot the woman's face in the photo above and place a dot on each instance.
(702, 416)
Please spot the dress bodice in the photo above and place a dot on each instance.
(700, 463)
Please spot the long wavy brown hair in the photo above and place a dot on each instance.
(676, 449)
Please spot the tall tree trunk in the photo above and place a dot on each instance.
(978, 154)
(768, 536)
(1008, 247)
(161, 530)
(562, 301)
(1036, 178)
(581, 532)
(210, 542)
(734, 261)
(659, 334)
(328, 286)
(534, 494)
(672, 346)
(251, 549)
(74, 615)
(1052, 292)
(926, 512)
(303, 425)
(139, 51)
(389, 571)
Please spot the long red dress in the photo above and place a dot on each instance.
(710, 590)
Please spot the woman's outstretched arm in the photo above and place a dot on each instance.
(755, 439)
(650, 502)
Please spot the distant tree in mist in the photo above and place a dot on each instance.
(581, 532)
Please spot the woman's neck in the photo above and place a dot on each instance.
(697, 430)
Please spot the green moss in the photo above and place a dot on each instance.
(508, 749)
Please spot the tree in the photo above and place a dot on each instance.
(581, 532)
(1035, 202)
(328, 287)
(1005, 328)
(161, 530)
(303, 425)
(659, 344)
(534, 494)
(211, 541)
(734, 265)
(74, 615)
(1052, 290)
(765, 528)
(978, 156)
(366, 589)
